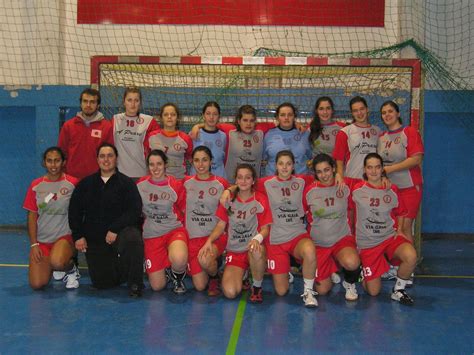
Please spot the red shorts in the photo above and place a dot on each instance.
(411, 198)
(237, 259)
(156, 249)
(47, 247)
(373, 260)
(195, 244)
(278, 256)
(326, 257)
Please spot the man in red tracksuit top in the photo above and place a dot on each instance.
(80, 137)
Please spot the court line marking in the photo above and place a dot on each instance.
(239, 317)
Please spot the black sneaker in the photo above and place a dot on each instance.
(178, 283)
(402, 297)
(135, 291)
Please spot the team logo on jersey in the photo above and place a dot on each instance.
(253, 210)
(212, 191)
(339, 194)
(295, 186)
(64, 191)
(397, 140)
(387, 199)
(256, 139)
(373, 131)
(334, 133)
(218, 143)
(177, 147)
(165, 196)
(96, 133)
(297, 137)
(140, 120)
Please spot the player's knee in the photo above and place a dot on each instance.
(199, 285)
(37, 284)
(281, 290)
(158, 285)
(230, 292)
(351, 263)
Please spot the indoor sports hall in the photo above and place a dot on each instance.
(418, 54)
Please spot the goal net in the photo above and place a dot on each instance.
(262, 82)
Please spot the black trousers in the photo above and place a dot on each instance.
(112, 265)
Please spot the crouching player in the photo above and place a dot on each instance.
(378, 214)
(248, 219)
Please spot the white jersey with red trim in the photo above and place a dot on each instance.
(200, 204)
(327, 213)
(286, 202)
(353, 143)
(396, 146)
(50, 200)
(376, 212)
(327, 139)
(244, 219)
(178, 147)
(160, 205)
(129, 137)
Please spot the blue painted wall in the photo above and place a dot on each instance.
(29, 120)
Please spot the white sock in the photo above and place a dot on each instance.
(400, 284)
(257, 283)
(308, 283)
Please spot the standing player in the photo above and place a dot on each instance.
(378, 214)
(245, 141)
(402, 151)
(166, 240)
(129, 131)
(248, 219)
(354, 142)
(177, 145)
(327, 207)
(286, 137)
(288, 235)
(323, 129)
(202, 192)
(213, 138)
(47, 202)
(81, 136)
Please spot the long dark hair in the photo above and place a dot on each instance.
(254, 175)
(315, 126)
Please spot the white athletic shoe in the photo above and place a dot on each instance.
(351, 291)
(335, 278)
(391, 274)
(291, 278)
(58, 275)
(402, 297)
(309, 298)
(71, 279)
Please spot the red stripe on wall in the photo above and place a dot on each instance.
(367, 13)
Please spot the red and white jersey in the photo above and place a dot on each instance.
(129, 138)
(327, 139)
(244, 219)
(396, 146)
(353, 143)
(50, 200)
(376, 212)
(160, 205)
(286, 202)
(244, 148)
(178, 147)
(200, 204)
(327, 213)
